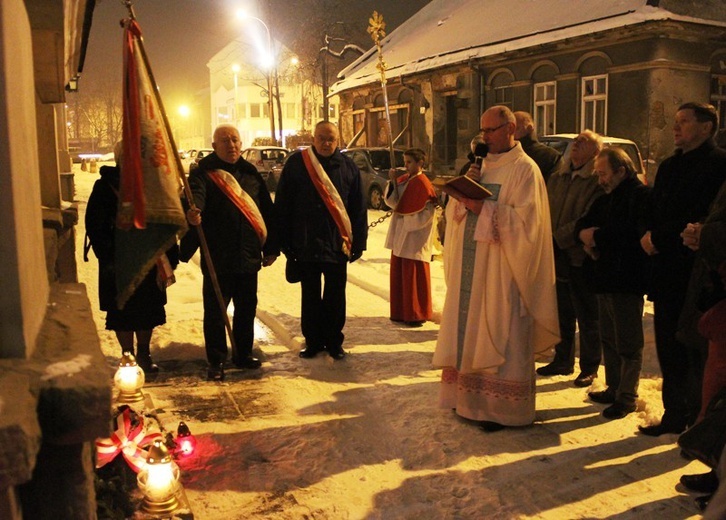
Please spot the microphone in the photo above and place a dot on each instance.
(480, 151)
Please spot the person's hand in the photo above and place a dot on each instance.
(355, 255)
(692, 236)
(647, 244)
(473, 205)
(587, 236)
(474, 172)
(392, 174)
(268, 260)
(194, 216)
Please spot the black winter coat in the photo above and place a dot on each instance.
(233, 242)
(684, 188)
(546, 157)
(307, 231)
(622, 264)
(101, 229)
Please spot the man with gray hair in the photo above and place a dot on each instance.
(500, 299)
(235, 210)
(571, 190)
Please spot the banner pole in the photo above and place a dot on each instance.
(376, 28)
(187, 190)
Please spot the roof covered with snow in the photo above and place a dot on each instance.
(447, 32)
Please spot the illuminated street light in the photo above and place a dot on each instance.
(235, 70)
(267, 63)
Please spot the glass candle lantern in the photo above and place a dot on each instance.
(159, 481)
(129, 380)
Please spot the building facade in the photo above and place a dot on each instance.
(621, 69)
(240, 79)
(47, 422)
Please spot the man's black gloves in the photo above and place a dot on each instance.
(355, 255)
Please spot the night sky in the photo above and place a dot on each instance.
(180, 36)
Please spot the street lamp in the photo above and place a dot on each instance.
(235, 70)
(183, 131)
(327, 50)
(267, 65)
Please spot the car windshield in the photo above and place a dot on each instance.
(381, 159)
(274, 155)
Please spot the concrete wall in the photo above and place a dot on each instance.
(23, 297)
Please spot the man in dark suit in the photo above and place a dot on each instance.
(323, 225)
(685, 187)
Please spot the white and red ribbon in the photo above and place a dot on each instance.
(226, 182)
(128, 439)
(331, 198)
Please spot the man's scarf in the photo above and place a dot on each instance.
(330, 197)
(226, 182)
(418, 191)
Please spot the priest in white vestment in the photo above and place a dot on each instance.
(500, 308)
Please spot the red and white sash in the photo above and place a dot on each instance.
(226, 182)
(330, 197)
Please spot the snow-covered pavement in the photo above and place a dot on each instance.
(363, 438)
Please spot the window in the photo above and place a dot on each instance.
(503, 96)
(290, 110)
(718, 98)
(545, 107)
(254, 110)
(595, 103)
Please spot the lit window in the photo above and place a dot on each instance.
(595, 103)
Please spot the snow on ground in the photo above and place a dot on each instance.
(363, 438)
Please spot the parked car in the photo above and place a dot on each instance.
(563, 142)
(374, 164)
(195, 156)
(265, 158)
(273, 179)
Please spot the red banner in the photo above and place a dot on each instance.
(150, 213)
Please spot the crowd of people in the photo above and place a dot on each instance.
(562, 253)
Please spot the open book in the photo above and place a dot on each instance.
(464, 186)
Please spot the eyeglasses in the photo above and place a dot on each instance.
(487, 131)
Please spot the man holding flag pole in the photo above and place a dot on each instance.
(150, 214)
(235, 211)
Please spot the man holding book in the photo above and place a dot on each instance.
(500, 308)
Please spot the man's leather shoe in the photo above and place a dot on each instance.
(310, 352)
(702, 502)
(337, 353)
(215, 372)
(602, 397)
(701, 483)
(249, 362)
(554, 369)
(660, 429)
(584, 379)
(491, 426)
(618, 410)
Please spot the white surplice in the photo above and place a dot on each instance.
(500, 308)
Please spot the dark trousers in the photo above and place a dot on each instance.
(681, 366)
(621, 332)
(322, 315)
(576, 303)
(241, 290)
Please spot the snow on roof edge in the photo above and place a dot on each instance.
(488, 49)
